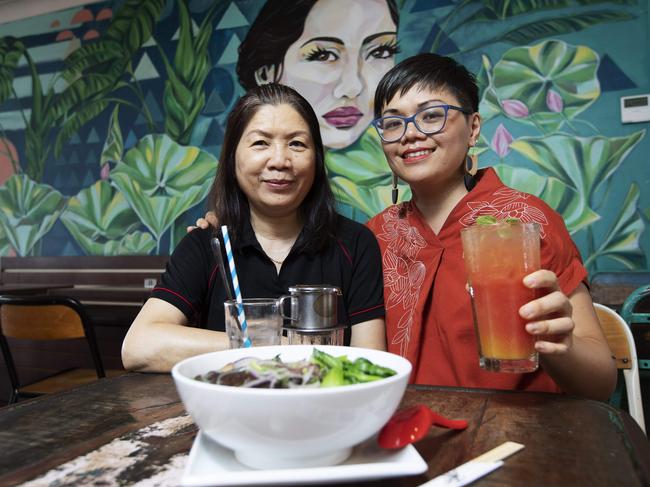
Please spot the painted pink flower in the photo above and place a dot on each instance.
(501, 141)
(515, 108)
(105, 171)
(554, 101)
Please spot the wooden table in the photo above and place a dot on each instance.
(133, 428)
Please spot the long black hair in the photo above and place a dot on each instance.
(229, 202)
(278, 25)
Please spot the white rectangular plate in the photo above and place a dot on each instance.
(211, 464)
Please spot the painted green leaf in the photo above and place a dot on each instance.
(98, 218)
(77, 93)
(562, 198)
(28, 211)
(136, 243)
(11, 50)
(557, 26)
(184, 97)
(5, 246)
(526, 74)
(114, 144)
(134, 23)
(489, 106)
(583, 163)
(370, 200)
(556, 20)
(95, 69)
(363, 162)
(77, 120)
(646, 213)
(360, 177)
(161, 179)
(505, 9)
(622, 241)
(90, 54)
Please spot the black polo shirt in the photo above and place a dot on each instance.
(351, 261)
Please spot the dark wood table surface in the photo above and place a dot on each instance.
(132, 428)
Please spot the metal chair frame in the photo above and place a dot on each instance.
(32, 301)
(631, 316)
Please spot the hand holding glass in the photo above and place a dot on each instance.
(497, 257)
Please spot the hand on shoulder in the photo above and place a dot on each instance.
(208, 220)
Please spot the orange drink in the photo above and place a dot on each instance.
(497, 257)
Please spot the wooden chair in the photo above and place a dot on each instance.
(621, 343)
(46, 318)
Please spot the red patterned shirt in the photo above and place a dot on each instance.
(428, 310)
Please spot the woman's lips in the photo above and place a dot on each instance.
(343, 117)
(416, 155)
(278, 184)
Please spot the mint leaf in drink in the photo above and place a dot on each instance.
(491, 220)
(485, 220)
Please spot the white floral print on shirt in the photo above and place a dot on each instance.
(403, 272)
(506, 203)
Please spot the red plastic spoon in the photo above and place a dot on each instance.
(412, 424)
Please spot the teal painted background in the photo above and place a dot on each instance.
(112, 150)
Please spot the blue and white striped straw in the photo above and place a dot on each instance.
(235, 284)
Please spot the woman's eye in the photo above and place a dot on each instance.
(433, 115)
(392, 124)
(384, 51)
(322, 55)
(297, 143)
(260, 142)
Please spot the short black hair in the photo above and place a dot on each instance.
(230, 203)
(278, 25)
(430, 71)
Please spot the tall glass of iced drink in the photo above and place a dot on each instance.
(497, 257)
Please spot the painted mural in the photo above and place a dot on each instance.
(112, 114)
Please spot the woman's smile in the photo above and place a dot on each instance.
(278, 184)
(412, 156)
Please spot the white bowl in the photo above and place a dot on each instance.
(288, 428)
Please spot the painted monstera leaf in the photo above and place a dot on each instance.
(161, 179)
(562, 198)
(489, 106)
(622, 241)
(546, 83)
(583, 163)
(5, 246)
(28, 210)
(360, 177)
(103, 223)
(136, 243)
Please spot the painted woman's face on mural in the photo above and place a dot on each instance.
(337, 62)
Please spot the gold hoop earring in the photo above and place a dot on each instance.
(395, 191)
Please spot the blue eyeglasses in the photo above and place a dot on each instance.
(429, 120)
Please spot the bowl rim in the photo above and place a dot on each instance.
(317, 391)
